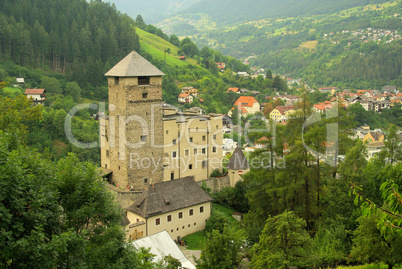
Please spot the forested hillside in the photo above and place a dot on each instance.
(76, 38)
(356, 47)
(233, 11)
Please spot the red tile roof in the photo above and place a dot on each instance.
(183, 95)
(34, 91)
(283, 109)
(233, 89)
(243, 101)
(320, 107)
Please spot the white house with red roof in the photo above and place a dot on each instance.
(246, 105)
(38, 96)
(185, 98)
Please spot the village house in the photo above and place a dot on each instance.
(180, 207)
(233, 89)
(190, 90)
(221, 66)
(281, 113)
(330, 90)
(246, 105)
(38, 96)
(185, 98)
(375, 136)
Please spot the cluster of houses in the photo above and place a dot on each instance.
(374, 139)
(372, 99)
(363, 35)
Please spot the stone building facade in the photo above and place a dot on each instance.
(143, 143)
(132, 129)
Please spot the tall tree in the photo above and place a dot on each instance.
(372, 246)
(284, 242)
(222, 250)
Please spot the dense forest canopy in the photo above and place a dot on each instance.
(77, 38)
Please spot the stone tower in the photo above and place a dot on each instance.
(132, 135)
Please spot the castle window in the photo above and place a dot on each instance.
(174, 154)
(213, 149)
(143, 80)
(144, 95)
(191, 212)
(116, 80)
(180, 216)
(195, 151)
(190, 166)
(214, 137)
(204, 164)
(203, 151)
(158, 221)
(203, 138)
(169, 218)
(217, 126)
(201, 209)
(189, 225)
(145, 180)
(167, 131)
(144, 138)
(174, 141)
(187, 152)
(107, 154)
(191, 140)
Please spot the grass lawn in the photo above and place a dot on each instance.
(196, 241)
(12, 90)
(309, 44)
(156, 46)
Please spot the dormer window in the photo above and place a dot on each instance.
(143, 80)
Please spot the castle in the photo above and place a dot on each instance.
(143, 142)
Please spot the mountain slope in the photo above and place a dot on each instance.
(152, 10)
(156, 46)
(232, 11)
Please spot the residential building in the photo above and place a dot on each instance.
(330, 90)
(281, 113)
(185, 98)
(180, 207)
(229, 146)
(38, 96)
(246, 105)
(233, 89)
(190, 90)
(375, 136)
